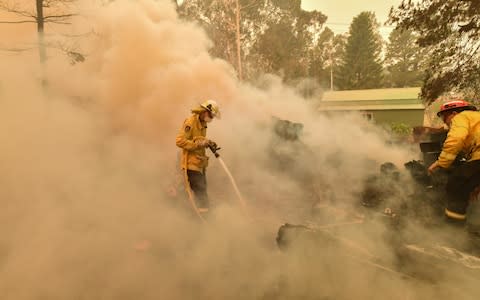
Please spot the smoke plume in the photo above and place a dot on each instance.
(89, 172)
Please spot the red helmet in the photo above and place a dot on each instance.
(451, 105)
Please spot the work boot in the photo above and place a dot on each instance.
(455, 222)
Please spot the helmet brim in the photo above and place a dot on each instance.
(215, 115)
(471, 107)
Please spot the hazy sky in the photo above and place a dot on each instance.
(341, 12)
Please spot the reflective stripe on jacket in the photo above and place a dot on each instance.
(464, 135)
(193, 156)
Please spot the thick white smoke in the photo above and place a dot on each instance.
(89, 159)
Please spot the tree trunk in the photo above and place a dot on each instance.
(40, 25)
(41, 42)
(239, 54)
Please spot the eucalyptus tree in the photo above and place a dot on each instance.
(450, 31)
(262, 35)
(404, 59)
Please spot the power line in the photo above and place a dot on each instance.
(347, 24)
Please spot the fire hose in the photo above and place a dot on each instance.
(191, 197)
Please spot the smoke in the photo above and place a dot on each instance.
(88, 161)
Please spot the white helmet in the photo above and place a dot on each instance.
(212, 107)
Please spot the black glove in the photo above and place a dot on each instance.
(212, 144)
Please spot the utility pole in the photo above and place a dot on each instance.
(331, 65)
(331, 72)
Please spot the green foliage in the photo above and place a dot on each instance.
(362, 68)
(285, 46)
(404, 60)
(400, 129)
(279, 47)
(289, 5)
(277, 36)
(450, 30)
(326, 56)
(217, 19)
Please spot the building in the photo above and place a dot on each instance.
(383, 106)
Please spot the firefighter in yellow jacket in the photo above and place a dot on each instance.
(192, 139)
(463, 138)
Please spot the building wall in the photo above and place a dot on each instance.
(409, 117)
(412, 117)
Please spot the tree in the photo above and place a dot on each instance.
(45, 11)
(321, 56)
(404, 59)
(223, 22)
(254, 35)
(286, 44)
(449, 30)
(326, 57)
(362, 68)
(279, 47)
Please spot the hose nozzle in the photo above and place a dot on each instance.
(214, 148)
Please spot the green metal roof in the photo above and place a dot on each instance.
(371, 107)
(373, 99)
(373, 94)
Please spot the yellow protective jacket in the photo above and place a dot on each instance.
(193, 156)
(464, 135)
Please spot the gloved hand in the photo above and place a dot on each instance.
(212, 144)
(433, 167)
(202, 142)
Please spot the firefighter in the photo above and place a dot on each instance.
(192, 139)
(463, 138)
